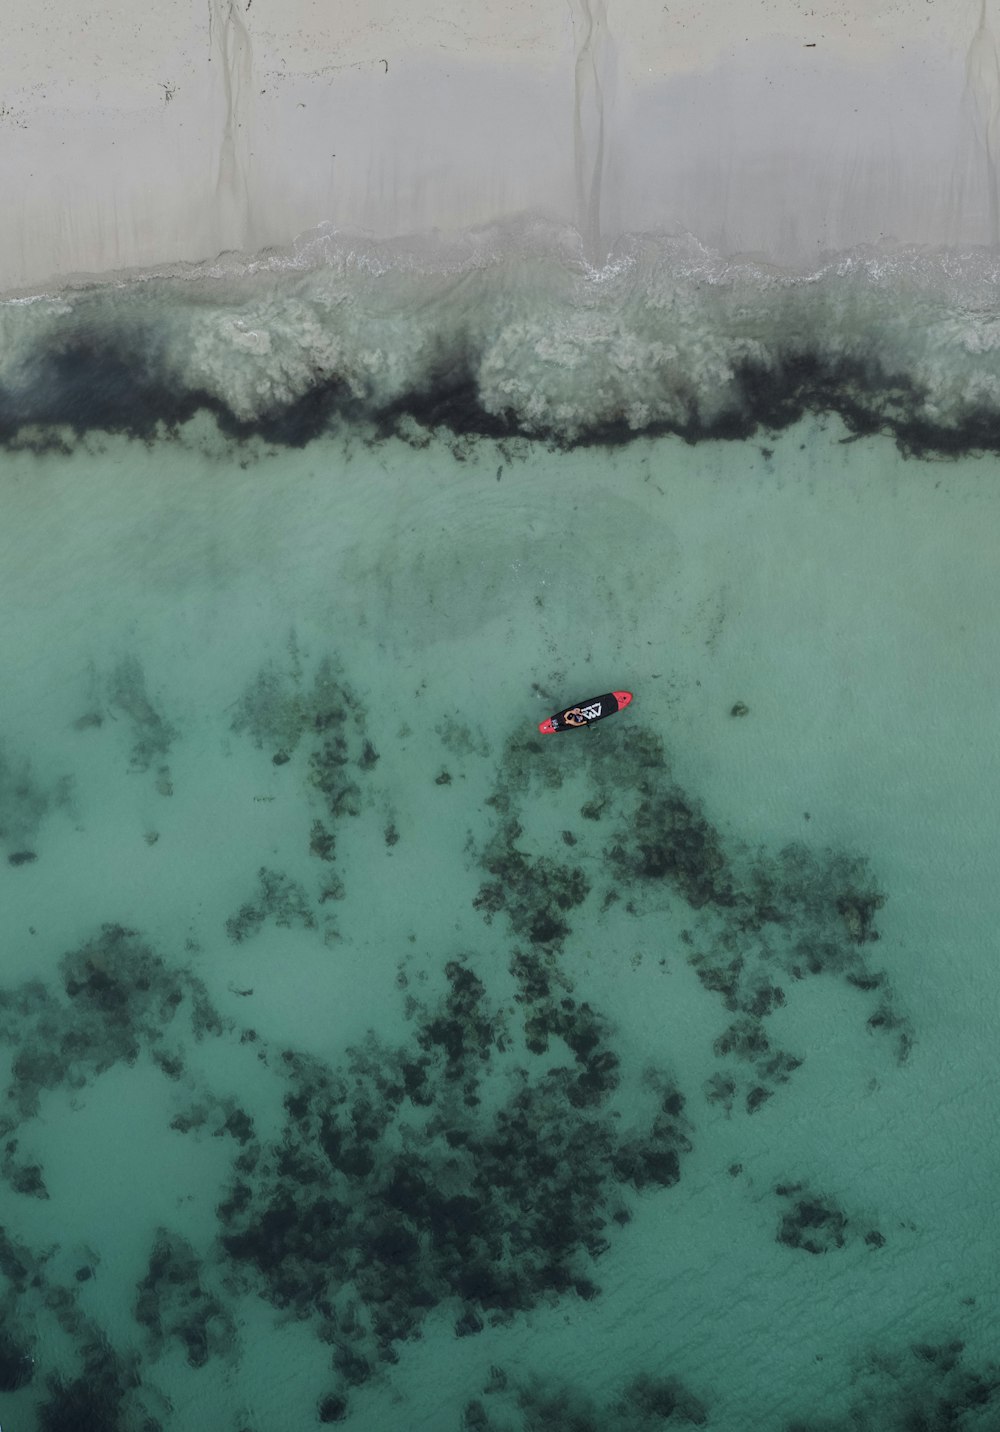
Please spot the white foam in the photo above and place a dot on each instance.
(664, 333)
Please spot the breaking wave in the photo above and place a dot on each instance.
(509, 331)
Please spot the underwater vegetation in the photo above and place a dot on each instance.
(482, 1166)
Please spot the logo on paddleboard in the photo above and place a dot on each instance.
(579, 715)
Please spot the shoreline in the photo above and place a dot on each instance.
(510, 335)
(197, 133)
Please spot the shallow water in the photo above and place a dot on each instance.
(372, 1059)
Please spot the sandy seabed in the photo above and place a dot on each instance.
(374, 1060)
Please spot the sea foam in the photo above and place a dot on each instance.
(512, 331)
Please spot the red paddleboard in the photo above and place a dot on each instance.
(585, 713)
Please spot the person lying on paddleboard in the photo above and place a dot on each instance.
(585, 713)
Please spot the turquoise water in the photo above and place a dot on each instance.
(372, 1060)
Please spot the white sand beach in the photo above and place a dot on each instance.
(133, 139)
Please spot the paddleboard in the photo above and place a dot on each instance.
(585, 713)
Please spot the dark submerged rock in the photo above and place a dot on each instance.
(332, 1409)
(16, 1365)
